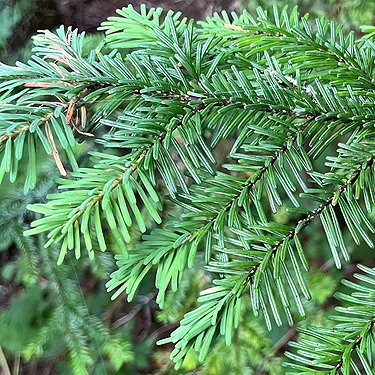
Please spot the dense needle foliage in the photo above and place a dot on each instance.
(292, 102)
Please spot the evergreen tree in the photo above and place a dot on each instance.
(291, 101)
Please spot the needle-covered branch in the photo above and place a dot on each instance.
(224, 123)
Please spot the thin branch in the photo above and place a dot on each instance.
(16, 367)
(126, 318)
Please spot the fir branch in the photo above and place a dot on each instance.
(357, 344)
(193, 238)
(303, 223)
(286, 92)
(332, 351)
(116, 177)
(267, 33)
(249, 183)
(258, 175)
(64, 106)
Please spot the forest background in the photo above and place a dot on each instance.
(116, 337)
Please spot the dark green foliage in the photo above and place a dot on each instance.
(51, 312)
(291, 100)
(352, 14)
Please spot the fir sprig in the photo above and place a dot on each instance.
(293, 101)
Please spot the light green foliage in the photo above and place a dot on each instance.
(322, 286)
(250, 352)
(293, 98)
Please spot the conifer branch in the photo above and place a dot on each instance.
(64, 106)
(303, 223)
(267, 34)
(343, 348)
(357, 344)
(285, 94)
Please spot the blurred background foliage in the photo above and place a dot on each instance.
(60, 320)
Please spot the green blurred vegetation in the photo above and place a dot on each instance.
(352, 14)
